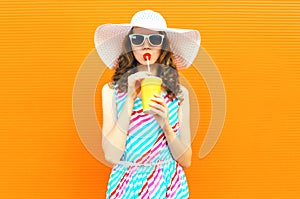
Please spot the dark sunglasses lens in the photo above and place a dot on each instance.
(137, 39)
(156, 40)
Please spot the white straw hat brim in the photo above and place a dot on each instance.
(108, 39)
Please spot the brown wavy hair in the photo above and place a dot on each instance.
(167, 71)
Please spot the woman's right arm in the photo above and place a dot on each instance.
(114, 130)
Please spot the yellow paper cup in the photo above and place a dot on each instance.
(150, 85)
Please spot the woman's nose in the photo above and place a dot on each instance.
(146, 43)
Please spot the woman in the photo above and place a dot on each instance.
(149, 151)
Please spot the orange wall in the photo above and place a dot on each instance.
(255, 45)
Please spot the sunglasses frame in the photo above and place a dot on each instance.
(146, 36)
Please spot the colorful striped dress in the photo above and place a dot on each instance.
(147, 169)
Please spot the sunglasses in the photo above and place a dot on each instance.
(139, 39)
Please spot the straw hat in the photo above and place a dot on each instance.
(184, 43)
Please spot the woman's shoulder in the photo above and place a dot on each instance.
(184, 91)
(108, 88)
(183, 94)
(183, 88)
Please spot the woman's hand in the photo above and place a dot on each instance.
(134, 83)
(160, 111)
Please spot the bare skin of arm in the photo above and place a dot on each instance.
(114, 130)
(181, 146)
(178, 145)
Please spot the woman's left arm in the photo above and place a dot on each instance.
(180, 146)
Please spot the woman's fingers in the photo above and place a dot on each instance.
(134, 82)
(138, 76)
(159, 99)
(157, 106)
(159, 110)
(154, 111)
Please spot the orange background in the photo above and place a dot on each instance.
(255, 45)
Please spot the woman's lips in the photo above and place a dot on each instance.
(147, 56)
